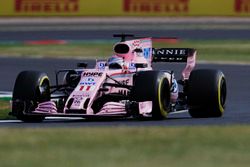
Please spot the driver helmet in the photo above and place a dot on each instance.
(115, 62)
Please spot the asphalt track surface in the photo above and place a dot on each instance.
(237, 108)
(107, 34)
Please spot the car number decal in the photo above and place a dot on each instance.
(86, 88)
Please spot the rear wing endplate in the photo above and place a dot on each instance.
(172, 54)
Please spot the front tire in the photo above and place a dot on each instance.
(31, 88)
(206, 93)
(153, 86)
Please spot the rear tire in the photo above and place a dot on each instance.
(206, 93)
(31, 88)
(153, 86)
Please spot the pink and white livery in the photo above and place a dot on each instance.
(125, 85)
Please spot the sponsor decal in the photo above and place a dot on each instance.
(156, 6)
(92, 74)
(174, 51)
(88, 81)
(55, 6)
(147, 53)
(131, 66)
(136, 43)
(77, 99)
(242, 6)
(83, 95)
(124, 82)
(77, 102)
(101, 65)
(172, 54)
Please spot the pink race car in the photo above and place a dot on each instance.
(123, 86)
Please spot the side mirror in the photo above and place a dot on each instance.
(82, 65)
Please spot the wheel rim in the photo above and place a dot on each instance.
(44, 89)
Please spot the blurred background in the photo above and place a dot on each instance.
(61, 22)
(74, 22)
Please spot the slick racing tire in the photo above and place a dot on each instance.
(207, 93)
(153, 86)
(31, 88)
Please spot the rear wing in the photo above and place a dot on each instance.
(187, 55)
(172, 54)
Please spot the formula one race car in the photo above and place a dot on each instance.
(123, 86)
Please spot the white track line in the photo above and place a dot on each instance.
(10, 121)
(48, 118)
(179, 112)
(64, 118)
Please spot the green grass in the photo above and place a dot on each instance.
(208, 50)
(224, 51)
(89, 50)
(4, 110)
(120, 146)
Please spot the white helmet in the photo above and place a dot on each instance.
(115, 62)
